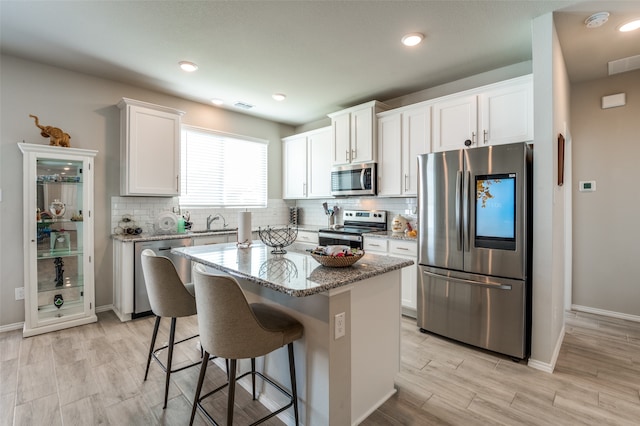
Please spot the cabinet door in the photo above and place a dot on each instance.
(454, 121)
(408, 250)
(390, 155)
(295, 167)
(341, 147)
(152, 152)
(362, 136)
(507, 114)
(319, 164)
(416, 140)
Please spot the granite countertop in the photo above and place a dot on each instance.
(295, 273)
(191, 234)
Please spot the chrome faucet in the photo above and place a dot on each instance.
(211, 218)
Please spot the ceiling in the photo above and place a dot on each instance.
(324, 55)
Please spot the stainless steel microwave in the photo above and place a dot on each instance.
(354, 179)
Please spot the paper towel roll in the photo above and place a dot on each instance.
(244, 229)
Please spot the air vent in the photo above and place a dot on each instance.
(243, 105)
(625, 64)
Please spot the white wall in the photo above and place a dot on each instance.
(85, 107)
(605, 223)
(551, 99)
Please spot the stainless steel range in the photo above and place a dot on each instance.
(356, 223)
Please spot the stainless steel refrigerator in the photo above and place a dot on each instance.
(474, 281)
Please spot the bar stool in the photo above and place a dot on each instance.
(168, 297)
(232, 328)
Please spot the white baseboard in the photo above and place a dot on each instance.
(11, 327)
(602, 312)
(549, 367)
(104, 308)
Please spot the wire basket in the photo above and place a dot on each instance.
(278, 237)
(336, 262)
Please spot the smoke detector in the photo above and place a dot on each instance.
(597, 19)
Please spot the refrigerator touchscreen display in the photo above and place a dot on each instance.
(496, 211)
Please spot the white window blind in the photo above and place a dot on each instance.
(222, 170)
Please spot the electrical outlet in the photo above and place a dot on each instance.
(339, 326)
(19, 293)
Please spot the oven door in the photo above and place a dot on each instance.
(337, 239)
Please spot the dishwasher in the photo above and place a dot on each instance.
(141, 305)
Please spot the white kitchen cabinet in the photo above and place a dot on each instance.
(306, 240)
(407, 249)
(403, 134)
(496, 114)
(59, 287)
(149, 149)
(354, 133)
(307, 165)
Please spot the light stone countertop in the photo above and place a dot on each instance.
(295, 273)
(190, 234)
(389, 235)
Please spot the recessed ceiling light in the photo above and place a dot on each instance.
(412, 39)
(188, 66)
(597, 19)
(279, 96)
(217, 101)
(630, 26)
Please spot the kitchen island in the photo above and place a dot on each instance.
(345, 368)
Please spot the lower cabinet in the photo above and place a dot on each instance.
(406, 249)
(306, 240)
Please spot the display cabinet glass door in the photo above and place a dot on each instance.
(59, 234)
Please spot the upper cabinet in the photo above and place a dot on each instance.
(307, 164)
(403, 134)
(149, 149)
(496, 114)
(354, 133)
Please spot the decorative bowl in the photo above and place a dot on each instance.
(335, 261)
(278, 237)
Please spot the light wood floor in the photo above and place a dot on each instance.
(93, 374)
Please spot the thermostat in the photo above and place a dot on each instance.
(587, 186)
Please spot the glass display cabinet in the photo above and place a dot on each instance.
(58, 237)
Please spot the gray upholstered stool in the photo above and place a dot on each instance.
(232, 328)
(169, 297)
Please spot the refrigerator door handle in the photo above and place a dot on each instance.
(466, 199)
(496, 286)
(362, 179)
(459, 224)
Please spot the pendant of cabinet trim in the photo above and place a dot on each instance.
(149, 149)
(354, 133)
(495, 114)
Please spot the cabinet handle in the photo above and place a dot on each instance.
(353, 154)
(402, 248)
(406, 180)
(473, 137)
(178, 183)
(346, 156)
(485, 133)
(304, 189)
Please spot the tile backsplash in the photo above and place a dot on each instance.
(144, 210)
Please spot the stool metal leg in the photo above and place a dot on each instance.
(203, 370)
(172, 337)
(153, 342)
(253, 378)
(294, 388)
(232, 391)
